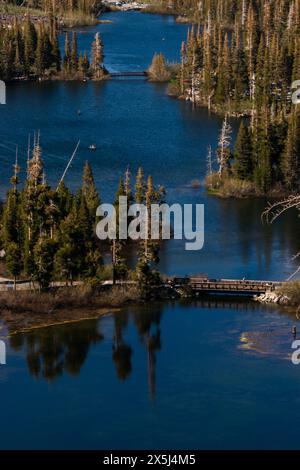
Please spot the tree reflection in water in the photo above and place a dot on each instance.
(121, 351)
(146, 319)
(57, 349)
(51, 352)
(147, 325)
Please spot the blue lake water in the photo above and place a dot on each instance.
(214, 375)
(205, 376)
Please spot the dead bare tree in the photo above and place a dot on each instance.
(209, 161)
(223, 152)
(274, 210)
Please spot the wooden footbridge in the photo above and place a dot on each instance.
(233, 287)
(196, 285)
(128, 74)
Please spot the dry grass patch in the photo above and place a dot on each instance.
(230, 187)
(26, 302)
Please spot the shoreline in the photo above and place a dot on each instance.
(8, 13)
(48, 324)
(26, 311)
(272, 194)
(56, 78)
(16, 323)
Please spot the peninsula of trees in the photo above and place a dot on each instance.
(48, 234)
(265, 159)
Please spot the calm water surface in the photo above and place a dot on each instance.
(163, 376)
(196, 375)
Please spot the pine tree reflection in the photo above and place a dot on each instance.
(147, 324)
(153, 345)
(121, 351)
(52, 351)
(56, 350)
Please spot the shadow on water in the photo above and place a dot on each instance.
(147, 324)
(57, 350)
(51, 352)
(193, 373)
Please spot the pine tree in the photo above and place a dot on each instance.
(64, 199)
(74, 53)
(11, 223)
(119, 266)
(97, 58)
(30, 45)
(64, 264)
(12, 227)
(158, 70)
(291, 156)
(223, 152)
(36, 166)
(149, 249)
(19, 50)
(13, 260)
(224, 75)
(90, 192)
(40, 58)
(243, 154)
(55, 54)
(140, 187)
(262, 157)
(127, 187)
(70, 245)
(67, 56)
(43, 254)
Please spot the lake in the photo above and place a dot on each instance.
(188, 375)
(206, 375)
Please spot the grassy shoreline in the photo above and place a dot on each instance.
(46, 323)
(26, 310)
(232, 187)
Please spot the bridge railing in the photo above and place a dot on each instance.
(205, 284)
(129, 74)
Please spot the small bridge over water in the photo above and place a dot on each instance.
(128, 74)
(231, 287)
(198, 285)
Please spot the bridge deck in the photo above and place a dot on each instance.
(128, 74)
(228, 286)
